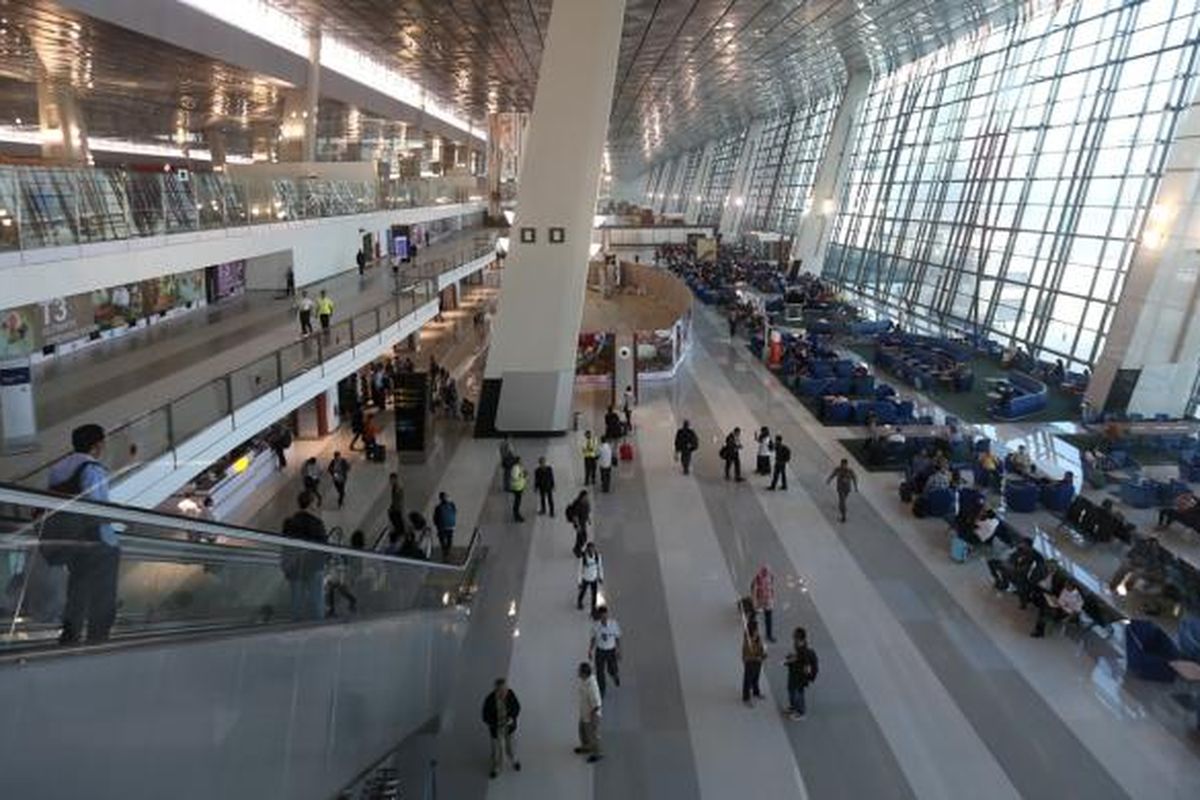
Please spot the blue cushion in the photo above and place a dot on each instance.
(1139, 494)
(1057, 496)
(1021, 496)
(1149, 651)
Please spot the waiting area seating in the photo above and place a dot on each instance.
(925, 362)
(1019, 396)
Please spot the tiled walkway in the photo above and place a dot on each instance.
(930, 686)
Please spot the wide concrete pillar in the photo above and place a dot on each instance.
(299, 128)
(530, 374)
(1149, 361)
(811, 239)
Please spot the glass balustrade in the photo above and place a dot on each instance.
(178, 575)
(58, 206)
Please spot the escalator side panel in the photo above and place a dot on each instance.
(283, 714)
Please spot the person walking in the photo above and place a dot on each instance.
(324, 310)
(305, 309)
(604, 460)
(90, 550)
(396, 503)
(543, 481)
(289, 285)
(686, 443)
(605, 648)
(579, 514)
(591, 451)
(310, 475)
(508, 457)
(847, 482)
(783, 454)
(305, 569)
(339, 472)
(762, 593)
(591, 575)
(357, 422)
(762, 461)
(754, 652)
(731, 454)
(627, 401)
(516, 482)
(500, 711)
(802, 668)
(361, 259)
(445, 519)
(590, 706)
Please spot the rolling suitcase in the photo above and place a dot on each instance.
(377, 453)
(960, 551)
(626, 451)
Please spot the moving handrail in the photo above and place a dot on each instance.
(178, 574)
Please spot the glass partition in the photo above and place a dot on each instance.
(55, 206)
(178, 575)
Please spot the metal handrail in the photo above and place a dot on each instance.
(444, 264)
(48, 502)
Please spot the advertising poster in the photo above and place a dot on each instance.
(169, 291)
(117, 306)
(16, 332)
(596, 354)
(64, 319)
(655, 351)
(226, 280)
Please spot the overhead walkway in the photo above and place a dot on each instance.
(203, 382)
(215, 683)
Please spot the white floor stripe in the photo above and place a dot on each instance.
(736, 749)
(935, 745)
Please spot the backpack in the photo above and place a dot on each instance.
(572, 513)
(61, 531)
(783, 454)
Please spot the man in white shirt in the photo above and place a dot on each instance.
(896, 436)
(604, 460)
(605, 648)
(306, 308)
(590, 704)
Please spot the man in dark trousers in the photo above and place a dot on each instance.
(445, 520)
(543, 481)
(686, 443)
(731, 454)
(305, 569)
(847, 481)
(361, 258)
(500, 711)
(783, 454)
(339, 471)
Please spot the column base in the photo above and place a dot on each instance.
(525, 404)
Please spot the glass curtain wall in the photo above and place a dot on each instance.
(720, 177)
(806, 145)
(999, 186)
(772, 144)
(687, 182)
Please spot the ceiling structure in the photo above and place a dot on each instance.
(128, 86)
(688, 70)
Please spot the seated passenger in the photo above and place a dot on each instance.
(1146, 563)
(990, 466)
(1022, 570)
(1060, 601)
(896, 436)
(1020, 462)
(1184, 509)
(940, 479)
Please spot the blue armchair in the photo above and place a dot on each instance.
(1021, 496)
(1149, 651)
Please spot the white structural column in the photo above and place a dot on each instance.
(1149, 361)
(829, 183)
(530, 374)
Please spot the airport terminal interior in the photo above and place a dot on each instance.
(613, 399)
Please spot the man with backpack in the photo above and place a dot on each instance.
(783, 454)
(89, 549)
(579, 514)
(802, 667)
(339, 471)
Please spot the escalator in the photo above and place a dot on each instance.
(222, 676)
